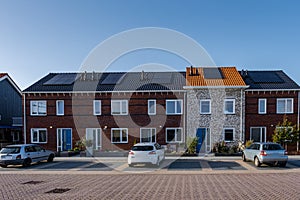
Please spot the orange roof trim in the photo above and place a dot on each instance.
(231, 77)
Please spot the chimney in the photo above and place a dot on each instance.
(191, 71)
(142, 75)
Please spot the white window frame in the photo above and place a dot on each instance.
(119, 129)
(176, 104)
(97, 131)
(202, 101)
(150, 133)
(261, 133)
(285, 106)
(120, 102)
(233, 104)
(175, 140)
(233, 134)
(95, 110)
(149, 107)
(38, 112)
(38, 135)
(262, 102)
(57, 107)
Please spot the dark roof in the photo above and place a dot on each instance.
(109, 81)
(268, 80)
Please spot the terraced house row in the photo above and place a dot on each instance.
(115, 110)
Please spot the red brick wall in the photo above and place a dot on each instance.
(271, 119)
(82, 108)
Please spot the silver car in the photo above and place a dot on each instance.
(24, 154)
(265, 153)
(146, 153)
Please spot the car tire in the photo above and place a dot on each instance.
(283, 164)
(256, 162)
(26, 162)
(50, 158)
(3, 166)
(244, 158)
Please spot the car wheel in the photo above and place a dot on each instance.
(50, 158)
(27, 162)
(244, 158)
(4, 166)
(256, 162)
(283, 164)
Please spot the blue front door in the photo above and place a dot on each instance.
(67, 139)
(201, 133)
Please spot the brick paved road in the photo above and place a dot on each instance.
(152, 186)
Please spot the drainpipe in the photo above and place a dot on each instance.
(185, 118)
(241, 118)
(24, 117)
(298, 118)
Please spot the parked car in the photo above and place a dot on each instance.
(146, 153)
(24, 154)
(265, 153)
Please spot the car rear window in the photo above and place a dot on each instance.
(10, 150)
(142, 148)
(272, 147)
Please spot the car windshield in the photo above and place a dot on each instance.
(272, 147)
(12, 150)
(142, 148)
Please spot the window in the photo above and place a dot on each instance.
(204, 106)
(38, 107)
(97, 107)
(174, 134)
(148, 135)
(60, 108)
(15, 136)
(94, 135)
(262, 106)
(285, 106)
(119, 135)
(38, 135)
(229, 106)
(228, 134)
(151, 107)
(174, 107)
(119, 107)
(258, 134)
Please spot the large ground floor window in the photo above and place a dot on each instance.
(93, 137)
(148, 135)
(258, 134)
(174, 135)
(119, 135)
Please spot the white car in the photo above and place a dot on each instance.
(146, 153)
(24, 154)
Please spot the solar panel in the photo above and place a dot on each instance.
(212, 73)
(162, 77)
(61, 79)
(113, 79)
(265, 77)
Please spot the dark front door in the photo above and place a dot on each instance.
(201, 132)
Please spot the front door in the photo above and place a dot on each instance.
(201, 133)
(64, 139)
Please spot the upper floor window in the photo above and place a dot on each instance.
(97, 107)
(285, 105)
(205, 106)
(262, 106)
(229, 106)
(38, 108)
(228, 134)
(174, 134)
(119, 135)
(151, 107)
(38, 135)
(60, 108)
(174, 107)
(119, 107)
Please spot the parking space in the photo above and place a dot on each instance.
(168, 165)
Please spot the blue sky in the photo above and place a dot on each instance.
(38, 37)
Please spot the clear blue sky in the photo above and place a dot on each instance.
(38, 37)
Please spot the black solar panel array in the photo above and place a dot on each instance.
(265, 77)
(62, 79)
(212, 73)
(113, 79)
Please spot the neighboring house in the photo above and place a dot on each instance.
(10, 111)
(215, 106)
(111, 111)
(271, 96)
